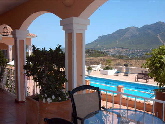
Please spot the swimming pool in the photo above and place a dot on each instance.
(128, 86)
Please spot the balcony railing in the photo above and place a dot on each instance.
(115, 99)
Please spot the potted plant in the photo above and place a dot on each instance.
(126, 72)
(89, 70)
(156, 67)
(47, 67)
(108, 70)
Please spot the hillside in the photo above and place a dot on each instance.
(145, 37)
(115, 62)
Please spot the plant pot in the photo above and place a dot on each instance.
(32, 111)
(89, 72)
(36, 111)
(159, 106)
(108, 72)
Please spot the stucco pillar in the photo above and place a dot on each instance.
(9, 53)
(19, 61)
(29, 47)
(75, 50)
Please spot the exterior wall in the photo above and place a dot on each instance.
(10, 41)
(7, 40)
(28, 41)
(131, 70)
(3, 46)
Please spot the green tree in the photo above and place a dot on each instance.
(156, 65)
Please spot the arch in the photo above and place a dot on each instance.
(25, 16)
(92, 8)
(63, 9)
(30, 19)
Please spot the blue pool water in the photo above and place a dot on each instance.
(127, 85)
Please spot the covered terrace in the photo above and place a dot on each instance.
(19, 14)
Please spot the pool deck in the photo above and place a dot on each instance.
(129, 78)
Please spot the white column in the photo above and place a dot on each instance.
(9, 53)
(0, 37)
(19, 61)
(74, 28)
(29, 49)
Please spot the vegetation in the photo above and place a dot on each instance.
(3, 60)
(3, 63)
(95, 53)
(47, 68)
(89, 68)
(108, 64)
(156, 65)
(143, 57)
(107, 68)
(132, 38)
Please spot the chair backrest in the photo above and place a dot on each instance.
(85, 99)
(57, 121)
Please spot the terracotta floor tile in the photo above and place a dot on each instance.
(11, 112)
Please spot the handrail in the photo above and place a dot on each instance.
(145, 98)
(124, 88)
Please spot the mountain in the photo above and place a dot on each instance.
(145, 37)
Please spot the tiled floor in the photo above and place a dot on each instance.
(11, 112)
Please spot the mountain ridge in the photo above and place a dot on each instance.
(145, 37)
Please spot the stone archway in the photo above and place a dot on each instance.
(92, 8)
(30, 19)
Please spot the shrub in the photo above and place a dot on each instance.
(107, 68)
(48, 69)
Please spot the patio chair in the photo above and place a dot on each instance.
(116, 73)
(143, 76)
(85, 99)
(57, 121)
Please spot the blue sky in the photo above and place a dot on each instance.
(113, 15)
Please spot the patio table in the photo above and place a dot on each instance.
(121, 116)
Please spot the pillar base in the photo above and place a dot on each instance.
(16, 101)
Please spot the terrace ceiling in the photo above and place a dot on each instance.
(6, 5)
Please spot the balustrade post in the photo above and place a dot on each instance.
(119, 96)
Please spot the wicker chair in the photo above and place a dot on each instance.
(57, 121)
(85, 99)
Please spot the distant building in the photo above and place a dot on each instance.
(7, 42)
